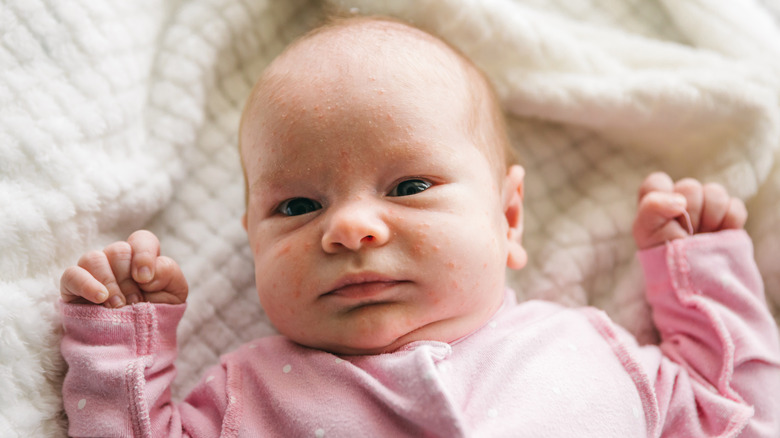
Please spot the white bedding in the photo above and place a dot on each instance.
(120, 115)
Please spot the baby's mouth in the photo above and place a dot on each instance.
(365, 290)
(362, 286)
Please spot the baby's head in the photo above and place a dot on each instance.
(381, 207)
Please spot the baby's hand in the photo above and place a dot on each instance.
(666, 207)
(125, 273)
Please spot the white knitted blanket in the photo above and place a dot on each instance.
(116, 115)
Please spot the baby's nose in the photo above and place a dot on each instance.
(353, 227)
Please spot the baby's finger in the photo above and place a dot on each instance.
(694, 195)
(146, 249)
(736, 216)
(120, 256)
(714, 208)
(656, 182)
(655, 222)
(76, 284)
(169, 285)
(96, 263)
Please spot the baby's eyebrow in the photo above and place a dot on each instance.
(280, 172)
(286, 176)
(275, 181)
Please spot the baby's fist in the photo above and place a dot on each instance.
(669, 210)
(125, 273)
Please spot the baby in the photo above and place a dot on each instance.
(383, 208)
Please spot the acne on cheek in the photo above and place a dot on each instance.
(455, 285)
(422, 239)
(434, 298)
(284, 249)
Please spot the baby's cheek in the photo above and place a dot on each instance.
(293, 274)
(428, 241)
(282, 272)
(474, 261)
(452, 256)
(284, 249)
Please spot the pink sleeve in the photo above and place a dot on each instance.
(120, 368)
(719, 373)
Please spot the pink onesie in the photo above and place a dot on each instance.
(535, 369)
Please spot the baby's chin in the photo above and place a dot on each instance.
(379, 342)
(359, 347)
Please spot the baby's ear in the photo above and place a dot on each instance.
(243, 222)
(513, 210)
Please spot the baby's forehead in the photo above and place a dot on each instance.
(376, 47)
(340, 58)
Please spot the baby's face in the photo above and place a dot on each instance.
(373, 219)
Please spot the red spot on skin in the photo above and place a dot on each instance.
(285, 249)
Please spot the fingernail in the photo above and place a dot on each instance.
(115, 301)
(102, 295)
(132, 299)
(144, 274)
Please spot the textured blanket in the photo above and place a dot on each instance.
(121, 115)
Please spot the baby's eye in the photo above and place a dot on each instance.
(410, 187)
(298, 206)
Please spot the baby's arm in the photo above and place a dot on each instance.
(120, 357)
(719, 373)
